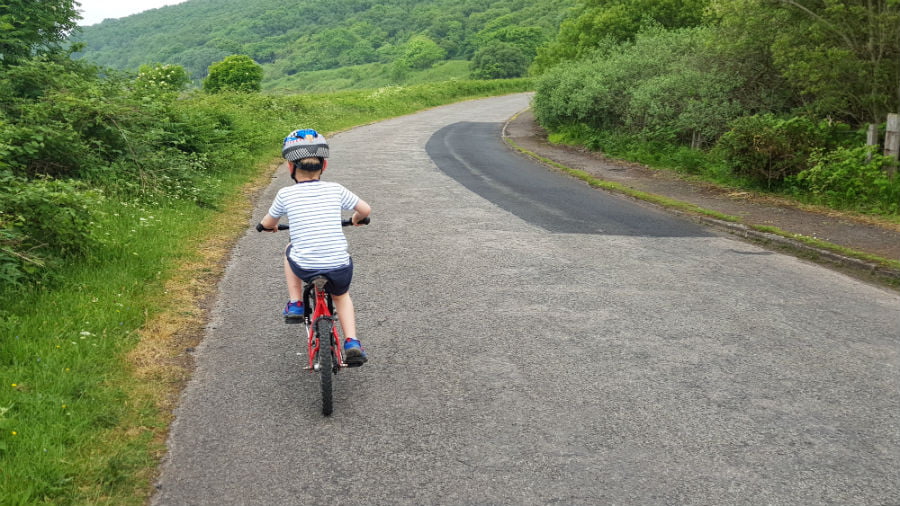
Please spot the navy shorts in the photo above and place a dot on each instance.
(338, 279)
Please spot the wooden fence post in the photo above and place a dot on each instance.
(892, 136)
(871, 139)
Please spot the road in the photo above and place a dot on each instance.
(532, 341)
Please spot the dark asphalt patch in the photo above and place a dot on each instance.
(474, 155)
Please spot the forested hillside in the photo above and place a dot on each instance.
(291, 37)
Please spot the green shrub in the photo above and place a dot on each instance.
(499, 60)
(234, 73)
(420, 52)
(856, 178)
(42, 222)
(666, 85)
(768, 149)
(161, 78)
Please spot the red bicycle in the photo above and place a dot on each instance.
(324, 345)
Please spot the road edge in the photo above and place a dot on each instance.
(795, 244)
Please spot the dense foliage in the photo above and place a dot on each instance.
(27, 26)
(292, 37)
(774, 92)
(598, 21)
(234, 73)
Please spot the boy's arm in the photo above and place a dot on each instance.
(269, 223)
(360, 212)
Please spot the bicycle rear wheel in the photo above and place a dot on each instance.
(326, 363)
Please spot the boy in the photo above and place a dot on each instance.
(318, 245)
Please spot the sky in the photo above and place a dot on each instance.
(95, 11)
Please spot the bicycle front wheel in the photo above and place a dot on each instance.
(326, 364)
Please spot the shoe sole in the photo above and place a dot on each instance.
(293, 318)
(354, 357)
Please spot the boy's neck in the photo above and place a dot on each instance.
(300, 178)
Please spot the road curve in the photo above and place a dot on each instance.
(522, 352)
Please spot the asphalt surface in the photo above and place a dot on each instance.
(525, 351)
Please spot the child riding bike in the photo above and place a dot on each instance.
(318, 246)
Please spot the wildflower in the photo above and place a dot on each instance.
(14, 385)
(14, 433)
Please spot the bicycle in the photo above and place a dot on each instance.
(324, 346)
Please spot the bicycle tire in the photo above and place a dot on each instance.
(326, 364)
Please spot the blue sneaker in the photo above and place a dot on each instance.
(293, 311)
(354, 354)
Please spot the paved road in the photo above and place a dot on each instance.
(525, 353)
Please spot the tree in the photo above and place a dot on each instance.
(499, 60)
(234, 73)
(29, 26)
(528, 38)
(845, 54)
(596, 21)
(420, 53)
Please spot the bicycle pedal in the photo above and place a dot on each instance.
(293, 321)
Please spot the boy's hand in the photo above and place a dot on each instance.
(268, 223)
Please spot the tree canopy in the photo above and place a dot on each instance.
(27, 26)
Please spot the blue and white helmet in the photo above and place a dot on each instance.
(304, 143)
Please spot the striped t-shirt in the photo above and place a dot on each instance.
(314, 209)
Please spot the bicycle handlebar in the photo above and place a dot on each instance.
(344, 223)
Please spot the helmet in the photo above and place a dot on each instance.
(304, 143)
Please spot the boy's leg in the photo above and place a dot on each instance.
(344, 306)
(353, 351)
(294, 284)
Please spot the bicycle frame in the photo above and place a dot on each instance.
(323, 307)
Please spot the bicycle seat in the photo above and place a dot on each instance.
(319, 282)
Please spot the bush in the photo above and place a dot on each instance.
(420, 52)
(43, 222)
(160, 78)
(499, 60)
(234, 73)
(666, 85)
(768, 149)
(855, 178)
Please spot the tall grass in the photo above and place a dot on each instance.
(81, 419)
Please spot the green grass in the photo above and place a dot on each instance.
(66, 391)
(83, 391)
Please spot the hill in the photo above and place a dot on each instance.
(292, 37)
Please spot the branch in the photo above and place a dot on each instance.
(822, 20)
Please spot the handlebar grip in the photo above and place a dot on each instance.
(348, 222)
(281, 226)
